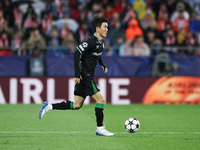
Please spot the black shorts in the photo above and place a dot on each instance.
(87, 86)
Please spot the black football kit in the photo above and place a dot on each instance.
(90, 51)
(89, 54)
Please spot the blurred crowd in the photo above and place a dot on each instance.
(136, 27)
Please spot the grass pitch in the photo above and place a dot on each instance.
(162, 127)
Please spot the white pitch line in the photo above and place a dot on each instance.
(38, 132)
(169, 132)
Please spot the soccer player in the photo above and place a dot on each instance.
(90, 51)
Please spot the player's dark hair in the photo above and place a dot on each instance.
(97, 21)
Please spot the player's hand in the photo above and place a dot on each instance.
(104, 69)
(77, 80)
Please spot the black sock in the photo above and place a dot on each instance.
(64, 105)
(99, 107)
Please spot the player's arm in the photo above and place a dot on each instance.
(100, 61)
(80, 50)
(77, 76)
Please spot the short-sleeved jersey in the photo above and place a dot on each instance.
(90, 50)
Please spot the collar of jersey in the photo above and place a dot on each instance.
(97, 38)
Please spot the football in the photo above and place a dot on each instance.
(132, 125)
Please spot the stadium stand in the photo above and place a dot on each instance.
(55, 27)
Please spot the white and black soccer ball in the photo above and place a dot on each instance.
(132, 125)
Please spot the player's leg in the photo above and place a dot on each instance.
(99, 111)
(77, 104)
(66, 105)
(78, 101)
(99, 107)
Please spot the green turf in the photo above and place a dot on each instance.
(162, 127)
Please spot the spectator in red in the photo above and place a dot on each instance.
(181, 23)
(30, 21)
(109, 11)
(170, 40)
(4, 40)
(46, 21)
(133, 30)
(4, 44)
(180, 7)
(73, 4)
(28, 16)
(162, 22)
(120, 6)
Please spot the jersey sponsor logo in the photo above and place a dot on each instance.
(85, 44)
(97, 54)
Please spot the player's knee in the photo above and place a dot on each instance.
(77, 106)
(101, 100)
